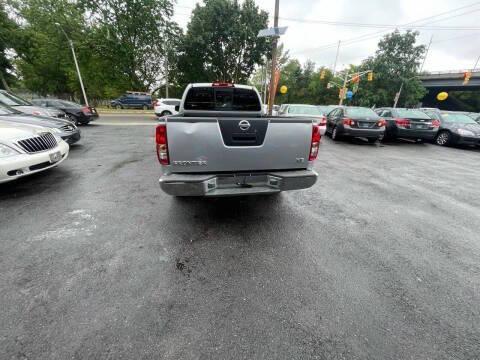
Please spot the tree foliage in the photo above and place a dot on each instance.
(396, 60)
(8, 35)
(221, 42)
(120, 44)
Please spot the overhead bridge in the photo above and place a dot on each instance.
(450, 80)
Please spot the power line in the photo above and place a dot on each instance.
(377, 33)
(380, 26)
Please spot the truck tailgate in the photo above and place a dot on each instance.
(228, 144)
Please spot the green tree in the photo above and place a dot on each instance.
(132, 36)
(221, 41)
(396, 60)
(8, 29)
(305, 86)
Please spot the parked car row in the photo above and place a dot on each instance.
(62, 109)
(36, 138)
(386, 123)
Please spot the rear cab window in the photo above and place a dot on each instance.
(222, 99)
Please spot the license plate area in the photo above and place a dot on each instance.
(364, 125)
(55, 157)
(244, 181)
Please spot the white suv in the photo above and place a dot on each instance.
(28, 149)
(164, 107)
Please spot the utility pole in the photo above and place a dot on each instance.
(343, 89)
(397, 95)
(265, 83)
(76, 64)
(426, 53)
(336, 59)
(271, 95)
(166, 75)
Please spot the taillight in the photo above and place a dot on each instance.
(162, 144)
(86, 110)
(323, 121)
(436, 123)
(348, 122)
(381, 123)
(222, 84)
(404, 123)
(315, 143)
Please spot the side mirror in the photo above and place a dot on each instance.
(177, 107)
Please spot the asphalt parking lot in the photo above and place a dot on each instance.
(380, 260)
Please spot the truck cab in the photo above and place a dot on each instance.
(221, 144)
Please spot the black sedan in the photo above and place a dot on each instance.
(64, 128)
(77, 113)
(455, 128)
(408, 124)
(355, 121)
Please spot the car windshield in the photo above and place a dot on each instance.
(360, 112)
(12, 100)
(7, 110)
(304, 110)
(457, 118)
(411, 114)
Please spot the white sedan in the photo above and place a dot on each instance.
(164, 107)
(303, 110)
(28, 149)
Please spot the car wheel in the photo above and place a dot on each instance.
(443, 138)
(118, 107)
(335, 134)
(372, 140)
(165, 113)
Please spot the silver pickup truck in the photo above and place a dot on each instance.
(221, 144)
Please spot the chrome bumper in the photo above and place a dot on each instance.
(236, 184)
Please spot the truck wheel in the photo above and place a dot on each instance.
(165, 113)
(118, 107)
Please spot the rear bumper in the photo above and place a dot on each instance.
(414, 134)
(236, 184)
(366, 133)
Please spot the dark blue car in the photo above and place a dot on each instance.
(133, 100)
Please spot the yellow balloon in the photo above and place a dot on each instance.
(283, 89)
(442, 96)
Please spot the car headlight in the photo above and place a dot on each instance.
(464, 132)
(56, 130)
(6, 151)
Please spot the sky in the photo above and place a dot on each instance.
(307, 39)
